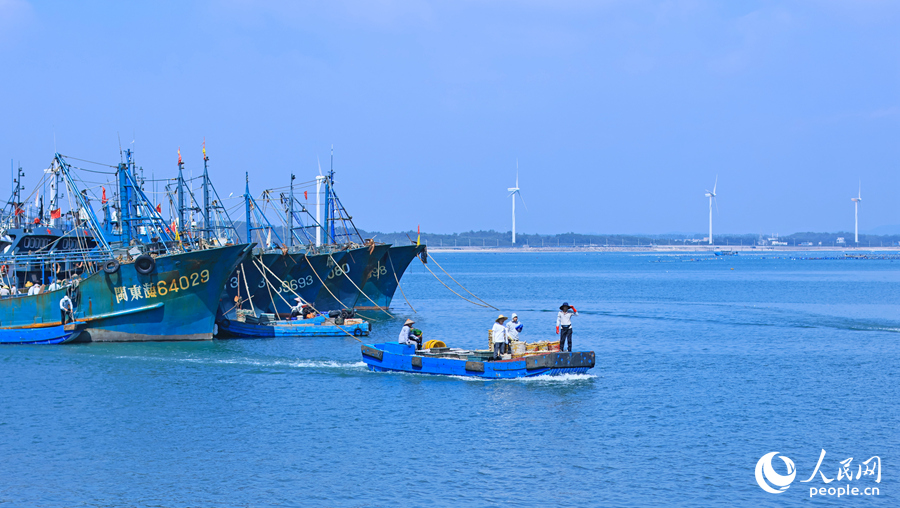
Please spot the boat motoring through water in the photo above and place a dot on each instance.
(396, 357)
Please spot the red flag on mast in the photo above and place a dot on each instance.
(56, 214)
(103, 199)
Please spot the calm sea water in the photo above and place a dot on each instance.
(703, 367)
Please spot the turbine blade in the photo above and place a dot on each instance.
(320, 165)
(715, 185)
(523, 200)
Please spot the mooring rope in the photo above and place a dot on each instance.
(358, 289)
(454, 292)
(323, 282)
(394, 270)
(249, 297)
(301, 300)
(460, 285)
(269, 286)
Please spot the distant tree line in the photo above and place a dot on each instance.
(496, 239)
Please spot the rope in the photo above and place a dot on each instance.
(323, 282)
(454, 292)
(360, 290)
(249, 297)
(260, 263)
(301, 299)
(460, 285)
(398, 283)
(268, 286)
(288, 287)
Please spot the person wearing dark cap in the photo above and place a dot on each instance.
(564, 325)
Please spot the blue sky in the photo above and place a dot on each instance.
(620, 113)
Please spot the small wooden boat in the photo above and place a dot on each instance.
(392, 356)
(314, 327)
(58, 334)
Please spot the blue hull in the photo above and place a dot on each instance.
(343, 293)
(316, 327)
(260, 290)
(384, 276)
(45, 335)
(177, 300)
(394, 357)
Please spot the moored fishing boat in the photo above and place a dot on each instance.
(169, 297)
(392, 356)
(53, 334)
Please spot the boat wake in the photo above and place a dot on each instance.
(544, 379)
(560, 379)
(250, 362)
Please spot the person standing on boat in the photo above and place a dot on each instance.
(513, 328)
(498, 336)
(564, 325)
(65, 308)
(407, 336)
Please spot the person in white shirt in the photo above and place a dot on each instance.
(30, 287)
(513, 328)
(65, 308)
(4, 290)
(498, 336)
(407, 336)
(564, 324)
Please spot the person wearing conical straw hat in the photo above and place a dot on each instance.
(407, 336)
(498, 336)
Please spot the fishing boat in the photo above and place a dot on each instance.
(54, 334)
(130, 277)
(168, 297)
(395, 357)
(268, 326)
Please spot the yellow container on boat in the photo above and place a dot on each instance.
(433, 343)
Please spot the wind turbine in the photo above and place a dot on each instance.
(512, 193)
(856, 201)
(712, 197)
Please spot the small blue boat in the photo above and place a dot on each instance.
(314, 327)
(58, 334)
(392, 356)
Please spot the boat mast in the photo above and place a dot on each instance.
(180, 192)
(247, 205)
(290, 218)
(124, 209)
(329, 199)
(207, 230)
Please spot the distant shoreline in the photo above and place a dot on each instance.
(669, 249)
